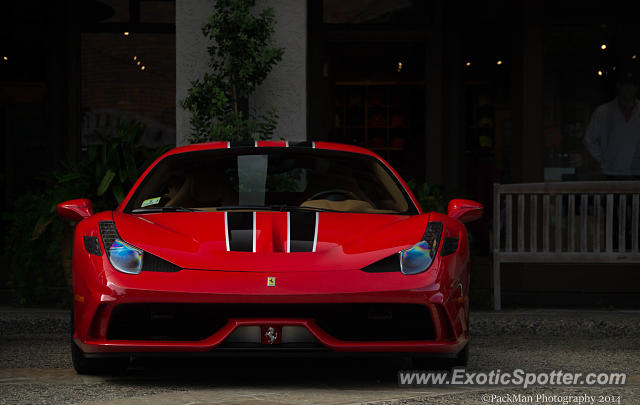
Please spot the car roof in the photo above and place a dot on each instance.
(263, 144)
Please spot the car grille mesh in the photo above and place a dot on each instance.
(109, 233)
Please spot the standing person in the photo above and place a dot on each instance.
(613, 135)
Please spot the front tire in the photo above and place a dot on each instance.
(86, 366)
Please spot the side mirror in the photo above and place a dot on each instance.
(75, 210)
(465, 210)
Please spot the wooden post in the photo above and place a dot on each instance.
(496, 248)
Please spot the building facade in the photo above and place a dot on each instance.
(460, 94)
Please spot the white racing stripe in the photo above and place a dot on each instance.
(288, 232)
(226, 230)
(315, 234)
(254, 231)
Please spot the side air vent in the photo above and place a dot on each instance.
(449, 246)
(92, 245)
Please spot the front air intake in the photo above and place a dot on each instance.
(347, 322)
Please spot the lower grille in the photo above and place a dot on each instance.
(349, 322)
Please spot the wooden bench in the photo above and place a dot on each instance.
(564, 222)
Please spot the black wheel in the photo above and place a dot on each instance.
(462, 359)
(84, 365)
(435, 363)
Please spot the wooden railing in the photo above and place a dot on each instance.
(564, 222)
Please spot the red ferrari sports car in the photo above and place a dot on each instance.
(269, 246)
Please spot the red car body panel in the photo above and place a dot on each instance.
(195, 242)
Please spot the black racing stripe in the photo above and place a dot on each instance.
(240, 228)
(302, 226)
(302, 144)
(242, 143)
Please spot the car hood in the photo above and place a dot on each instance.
(273, 241)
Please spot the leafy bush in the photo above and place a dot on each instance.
(118, 162)
(37, 243)
(431, 197)
(242, 55)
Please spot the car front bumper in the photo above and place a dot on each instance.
(97, 299)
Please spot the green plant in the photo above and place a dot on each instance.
(118, 162)
(39, 242)
(242, 55)
(431, 197)
(34, 264)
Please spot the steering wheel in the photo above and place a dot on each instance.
(345, 193)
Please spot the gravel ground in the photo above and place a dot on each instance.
(35, 367)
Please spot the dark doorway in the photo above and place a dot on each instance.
(367, 78)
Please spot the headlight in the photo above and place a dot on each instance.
(125, 258)
(128, 258)
(122, 256)
(419, 257)
(416, 259)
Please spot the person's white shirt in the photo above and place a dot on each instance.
(613, 141)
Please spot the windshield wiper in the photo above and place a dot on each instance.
(277, 207)
(297, 208)
(161, 209)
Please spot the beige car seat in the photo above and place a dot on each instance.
(203, 189)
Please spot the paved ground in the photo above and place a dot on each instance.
(35, 366)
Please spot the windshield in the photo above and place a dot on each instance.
(270, 178)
